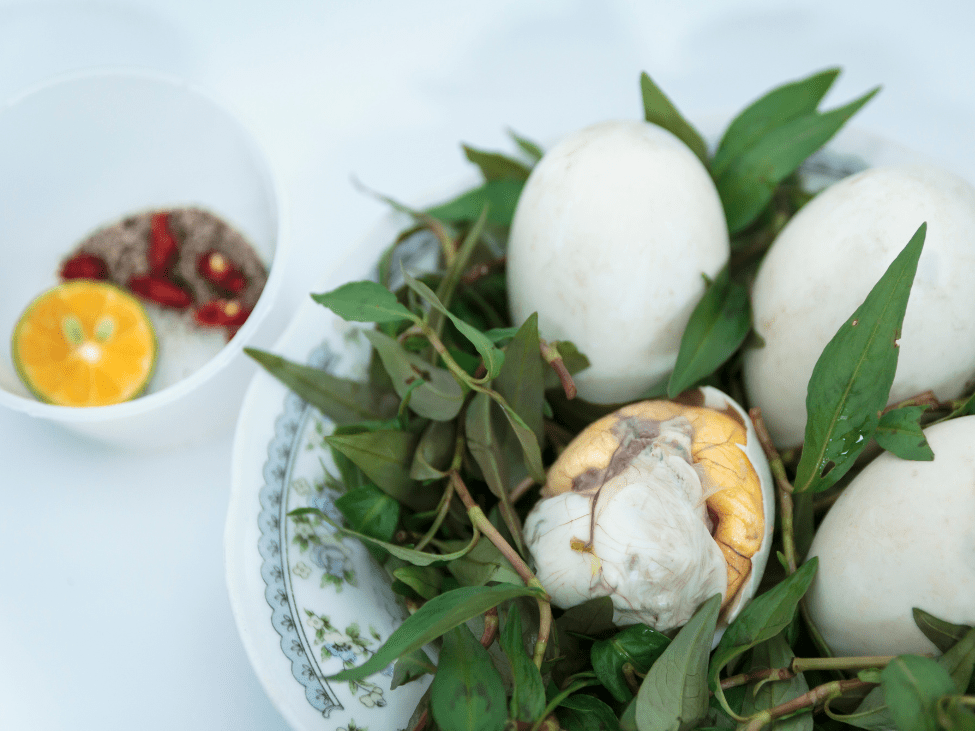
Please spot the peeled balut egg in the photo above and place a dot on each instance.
(660, 506)
(611, 236)
(900, 536)
(826, 260)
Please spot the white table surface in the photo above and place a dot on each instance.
(113, 608)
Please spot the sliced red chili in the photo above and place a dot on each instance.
(221, 272)
(160, 291)
(163, 248)
(228, 314)
(84, 266)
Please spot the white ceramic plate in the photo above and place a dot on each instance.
(305, 600)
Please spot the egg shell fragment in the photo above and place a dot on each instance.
(902, 535)
(611, 236)
(825, 262)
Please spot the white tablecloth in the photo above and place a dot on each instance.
(113, 608)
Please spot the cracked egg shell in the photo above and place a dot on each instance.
(825, 261)
(659, 505)
(611, 236)
(901, 535)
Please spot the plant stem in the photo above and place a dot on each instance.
(769, 674)
(808, 701)
(519, 490)
(442, 511)
(802, 664)
(550, 353)
(480, 521)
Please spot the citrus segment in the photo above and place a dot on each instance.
(84, 343)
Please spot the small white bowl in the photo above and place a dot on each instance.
(83, 151)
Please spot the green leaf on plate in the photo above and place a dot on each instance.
(747, 184)
(424, 580)
(410, 667)
(434, 619)
(527, 689)
(674, 694)
(467, 693)
(364, 302)
(899, 431)
(500, 197)
(761, 620)
(342, 400)
(439, 397)
(718, 326)
(370, 512)
(772, 110)
(492, 357)
(912, 686)
(483, 563)
(659, 110)
(638, 645)
(850, 383)
(495, 166)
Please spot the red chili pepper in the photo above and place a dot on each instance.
(228, 314)
(163, 248)
(84, 266)
(161, 291)
(219, 271)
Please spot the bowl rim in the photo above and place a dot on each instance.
(276, 266)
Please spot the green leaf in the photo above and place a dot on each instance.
(850, 383)
(527, 688)
(483, 563)
(342, 400)
(674, 694)
(776, 653)
(899, 431)
(582, 712)
(385, 457)
(747, 184)
(434, 451)
(532, 149)
(467, 693)
(912, 686)
(432, 620)
(493, 357)
(364, 302)
(638, 645)
(521, 380)
(959, 661)
(761, 620)
(718, 326)
(659, 110)
(943, 634)
(780, 105)
(424, 580)
(439, 397)
(957, 715)
(370, 512)
(410, 667)
(495, 166)
(500, 197)
(526, 439)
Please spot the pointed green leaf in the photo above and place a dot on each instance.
(639, 646)
(364, 302)
(521, 380)
(500, 197)
(370, 512)
(912, 686)
(467, 693)
(943, 634)
(495, 166)
(532, 149)
(482, 564)
(424, 580)
(527, 689)
(582, 712)
(674, 694)
(432, 620)
(959, 661)
(526, 438)
(772, 110)
(493, 357)
(434, 451)
(659, 110)
(899, 432)
(410, 667)
(747, 184)
(439, 397)
(718, 326)
(850, 383)
(342, 400)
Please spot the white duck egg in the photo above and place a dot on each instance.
(826, 260)
(902, 535)
(611, 236)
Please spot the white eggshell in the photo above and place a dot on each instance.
(824, 263)
(612, 233)
(902, 535)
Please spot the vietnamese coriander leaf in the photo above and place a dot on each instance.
(850, 383)
(499, 196)
(772, 110)
(532, 149)
(718, 326)
(638, 646)
(495, 166)
(659, 110)
(467, 693)
(912, 686)
(364, 302)
(582, 712)
(521, 380)
(342, 400)
(527, 688)
(776, 653)
(674, 694)
(942, 633)
(899, 431)
(433, 620)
